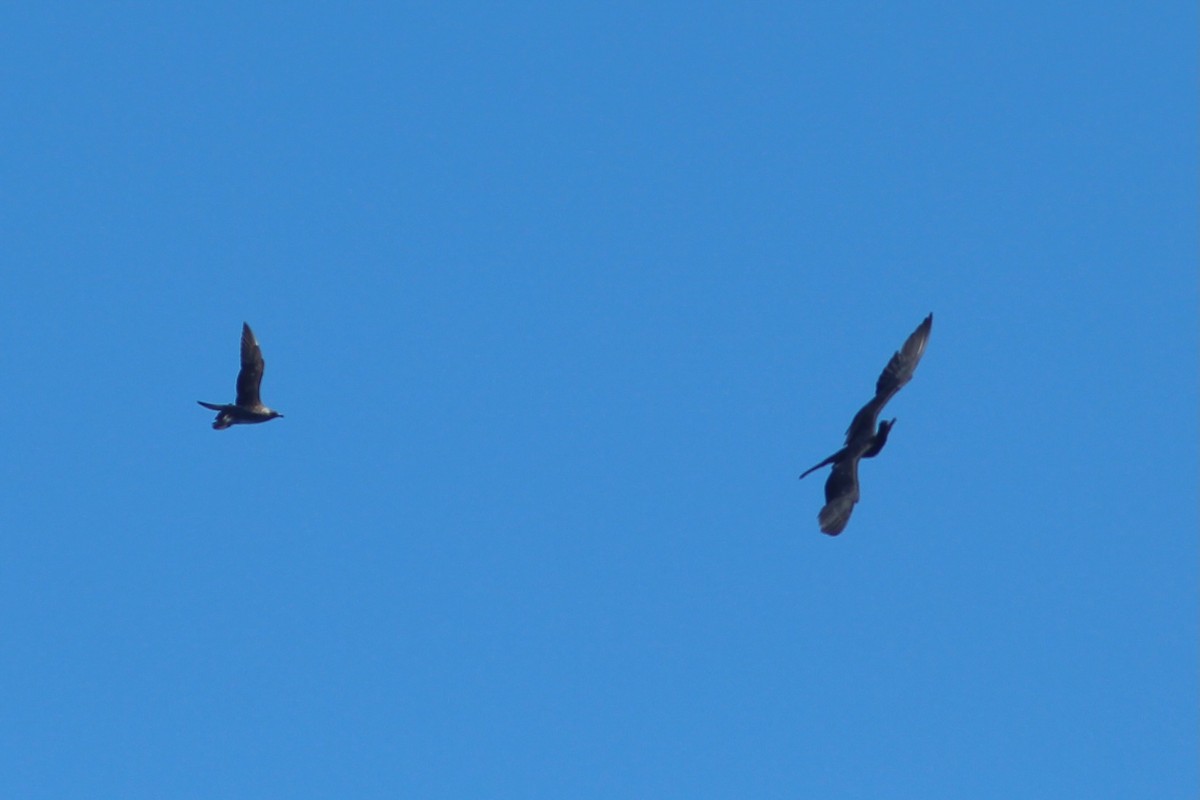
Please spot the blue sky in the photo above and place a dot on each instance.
(558, 300)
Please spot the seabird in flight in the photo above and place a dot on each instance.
(862, 439)
(248, 408)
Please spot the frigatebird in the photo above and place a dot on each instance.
(862, 438)
(248, 407)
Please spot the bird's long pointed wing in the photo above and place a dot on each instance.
(841, 493)
(903, 364)
(895, 375)
(250, 376)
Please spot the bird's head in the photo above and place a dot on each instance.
(275, 414)
(885, 427)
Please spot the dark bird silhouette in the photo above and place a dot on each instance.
(248, 408)
(862, 439)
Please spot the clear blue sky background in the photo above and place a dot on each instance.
(559, 299)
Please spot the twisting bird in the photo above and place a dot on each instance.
(862, 439)
(248, 407)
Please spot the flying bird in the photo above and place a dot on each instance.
(248, 407)
(862, 438)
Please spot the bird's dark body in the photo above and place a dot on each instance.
(863, 439)
(248, 409)
(236, 415)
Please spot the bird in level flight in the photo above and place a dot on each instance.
(248, 407)
(863, 440)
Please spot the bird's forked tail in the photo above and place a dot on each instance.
(831, 460)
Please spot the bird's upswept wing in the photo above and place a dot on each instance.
(903, 363)
(250, 376)
(841, 493)
(895, 375)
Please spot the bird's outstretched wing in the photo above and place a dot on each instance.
(899, 371)
(903, 363)
(250, 376)
(841, 493)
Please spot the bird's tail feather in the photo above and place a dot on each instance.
(829, 460)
